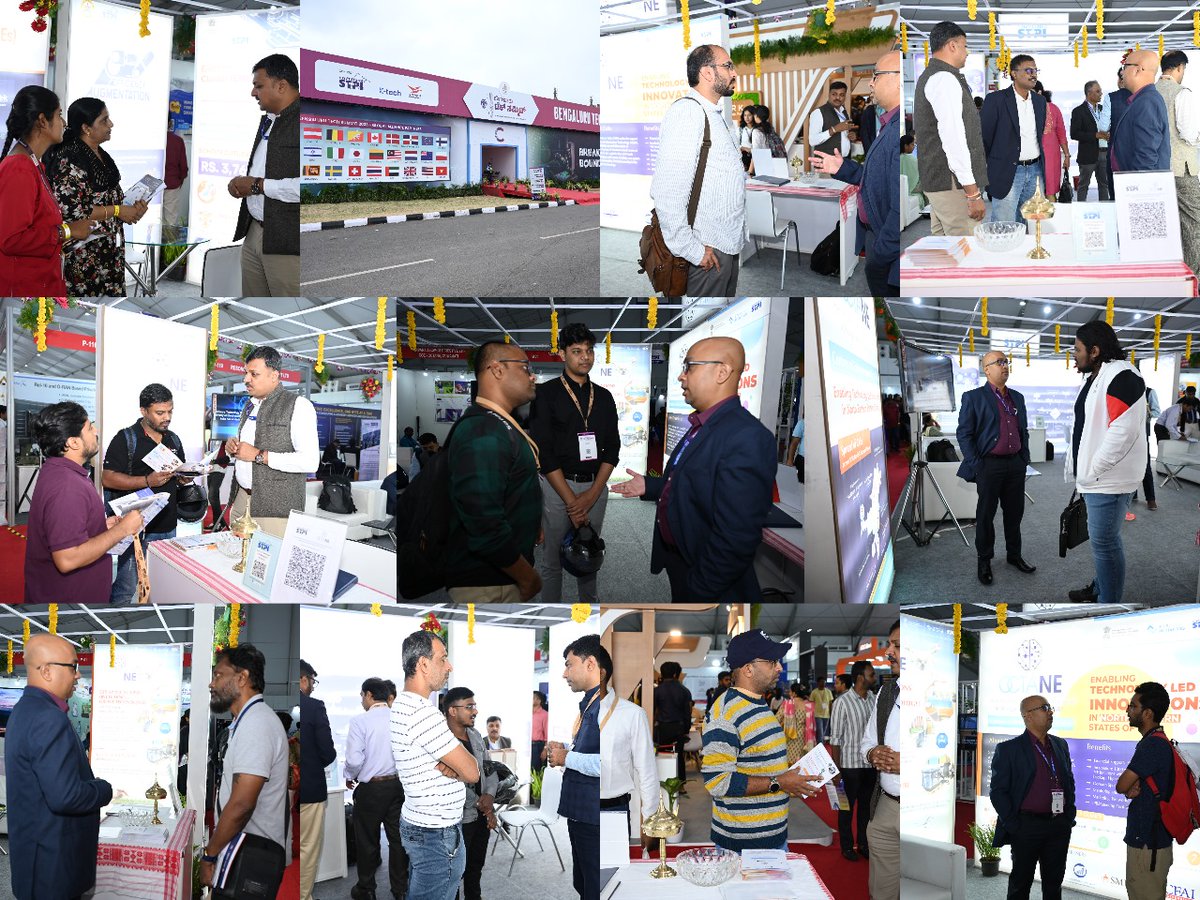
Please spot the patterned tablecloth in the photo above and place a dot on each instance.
(152, 873)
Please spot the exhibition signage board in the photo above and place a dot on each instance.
(453, 354)
(32, 393)
(68, 341)
(237, 367)
(343, 79)
(537, 181)
(354, 151)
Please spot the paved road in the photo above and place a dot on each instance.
(554, 251)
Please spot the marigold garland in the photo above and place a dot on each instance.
(1001, 618)
(470, 623)
(380, 313)
(1085, 46)
(972, 8)
(439, 310)
(957, 629)
(508, 339)
(1099, 20)
(991, 31)
(971, 339)
(652, 313)
(757, 53)
(904, 38)
(554, 331)
(412, 331)
(1160, 48)
(377, 609)
(830, 15)
(1075, 48)
(41, 325)
(212, 328)
(10, 657)
(580, 612)
(235, 623)
(25, 632)
(1157, 335)
(1133, 358)
(1108, 310)
(960, 356)
(320, 366)
(983, 326)
(1196, 28)
(391, 366)
(927, 53)
(686, 21)
(144, 23)
(1027, 362)
(1057, 336)
(1187, 348)
(1067, 357)
(53, 612)
(608, 349)
(112, 651)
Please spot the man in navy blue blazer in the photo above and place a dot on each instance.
(993, 435)
(317, 740)
(716, 489)
(1033, 793)
(1141, 137)
(54, 800)
(879, 201)
(1012, 121)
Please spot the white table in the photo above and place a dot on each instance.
(635, 883)
(332, 863)
(1037, 445)
(128, 870)
(983, 274)
(815, 208)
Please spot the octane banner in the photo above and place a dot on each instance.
(1087, 670)
(929, 723)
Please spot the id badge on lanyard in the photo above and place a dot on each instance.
(587, 446)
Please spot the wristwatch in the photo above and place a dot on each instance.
(774, 785)
(261, 457)
(256, 186)
(208, 859)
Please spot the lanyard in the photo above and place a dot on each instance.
(1049, 762)
(233, 727)
(579, 718)
(1012, 411)
(575, 400)
(608, 715)
(507, 417)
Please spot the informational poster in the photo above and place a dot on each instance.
(451, 399)
(135, 719)
(566, 155)
(226, 116)
(226, 414)
(929, 728)
(33, 393)
(1087, 670)
(627, 378)
(857, 452)
(181, 111)
(368, 457)
(353, 151)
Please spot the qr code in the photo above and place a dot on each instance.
(1148, 219)
(304, 571)
(258, 568)
(1093, 239)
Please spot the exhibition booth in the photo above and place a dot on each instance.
(140, 671)
(170, 68)
(348, 644)
(336, 353)
(908, 496)
(639, 351)
(965, 673)
(826, 641)
(1130, 247)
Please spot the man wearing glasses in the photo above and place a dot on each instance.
(993, 435)
(479, 813)
(1141, 137)
(1013, 121)
(1033, 792)
(711, 240)
(54, 800)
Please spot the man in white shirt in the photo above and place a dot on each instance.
(276, 446)
(712, 242)
(1183, 113)
(828, 125)
(627, 761)
(378, 796)
(1012, 122)
(434, 769)
(496, 741)
(883, 832)
(1168, 426)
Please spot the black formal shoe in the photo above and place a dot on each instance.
(850, 854)
(985, 571)
(357, 893)
(1086, 595)
(864, 853)
(1022, 565)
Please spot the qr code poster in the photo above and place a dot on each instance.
(308, 561)
(1147, 217)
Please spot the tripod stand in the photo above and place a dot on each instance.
(914, 491)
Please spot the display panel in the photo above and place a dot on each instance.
(927, 379)
(353, 151)
(627, 378)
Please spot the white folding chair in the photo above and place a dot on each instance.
(546, 815)
(761, 222)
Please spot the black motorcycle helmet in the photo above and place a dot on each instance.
(191, 503)
(582, 551)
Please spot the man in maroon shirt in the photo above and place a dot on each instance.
(66, 555)
(993, 435)
(175, 173)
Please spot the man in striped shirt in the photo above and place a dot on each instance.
(745, 753)
(851, 710)
(434, 769)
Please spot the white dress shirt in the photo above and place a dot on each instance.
(1170, 419)
(284, 189)
(721, 212)
(627, 762)
(305, 458)
(369, 745)
(891, 736)
(744, 135)
(1031, 139)
(944, 94)
(818, 136)
(1187, 117)
(1103, 117)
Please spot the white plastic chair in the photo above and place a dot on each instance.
(221, 275)
(761, 222)
(545, 816)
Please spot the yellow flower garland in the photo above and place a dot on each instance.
(391, 365)
(1085, 47)
(1108, 310)
(212, 328)
(904, 38)
(235, 611)
(53, 611)
(377, 609)
(652, 313)
(1196, 28)
(1133, 358)
(1160, 47)
(470, 623)
(1001, 618)
(112, 651)
(25, 632)
(41, 325)
(412, 331)
(957, 629)
(960, 356)
(972, 7)
(1187, 348)
(10, 654)
(1027, 362)
(581, 612)
(1067, 357)
(830, 15)
(991, 31)
(380, 313)
(1057, 335)
(608, 349)
(971, 339)
(508, 339)
(1157, 335)
(554, 331)
(927, 53)
(757, 53)
(144, 24)
(1099, 20)
(983, 326)
(686, 21)
(1075, 48)
(439, 310)
(320, 366)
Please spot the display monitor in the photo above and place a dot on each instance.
(926, 379)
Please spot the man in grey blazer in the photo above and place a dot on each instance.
(494, 740)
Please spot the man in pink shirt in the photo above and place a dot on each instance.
(537, 749)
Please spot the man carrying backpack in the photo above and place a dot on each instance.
(1151, 772)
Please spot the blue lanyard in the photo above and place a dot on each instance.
(678, 456)
(1049, 762)
(233, 727)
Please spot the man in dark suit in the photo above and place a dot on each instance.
(993, 435)
(1033, 792)
(868, 125)
(1117, 107)
(1141, 138)
(1012, 121)
(1089, 127)
(495, 740)
(317, 741)
(715, 492)
(54, 800)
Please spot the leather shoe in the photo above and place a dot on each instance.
(1085, 595)
(850, 854)
(985, 571)
(357, 893)
(1022, 565)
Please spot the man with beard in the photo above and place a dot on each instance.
(478, 813)
(880, 739)
(67, 544)
(711, 236)
(253, 796)
(1149, 778)
(434, 770)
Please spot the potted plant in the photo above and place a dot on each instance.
(672, 787)
(989, 854)
(535, 786)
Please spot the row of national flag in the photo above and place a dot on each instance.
(407, 171)
(398, 153)
(382, 138)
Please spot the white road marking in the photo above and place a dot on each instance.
(415, 262)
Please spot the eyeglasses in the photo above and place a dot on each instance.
(1046, 706)
(729, 66)
(1028, 71)
(74, 667)
(688, 363)
(521, 362)
(998, 362)
(877, 73)
(470, 706)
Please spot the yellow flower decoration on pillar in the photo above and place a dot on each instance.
(439, 310)
(41, 325)
(391, 367)
(608, 349)
(580, 612)
(1057, 336)
(1099, 20)
(957, 629)
(377, 610)
(10, 657)
(1001, 618)
(144, 23)
(1157, 336)
(972, 8)
(53, 612)
(1085, 47)
(212, 328)
(652, 313)
(399, 353)
(235, 614)
(830, 15)
(983, 326)
(991, 31)
(971, 339)
(757, 53)
(470, 623)
(412, 331)
(320, 366)
(112, 651)
(927, 53)
(904, 38)
(686, 21)
(554, 331)
(380, 313)
(1108, 310)
(1196, 28)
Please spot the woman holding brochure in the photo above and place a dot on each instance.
(87, 184)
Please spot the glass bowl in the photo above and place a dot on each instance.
(1000, 237)
(708, 866)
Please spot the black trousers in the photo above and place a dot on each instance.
(1161, 433)
(378, 803)
(859, 785)
(878, 271)
(475, 839)
(674, 733)
(1148, 478)
(1039, 842)
(585, 856)
(677, 573)
(535, 754)
(1000, 480)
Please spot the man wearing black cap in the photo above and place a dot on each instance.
(879, 740)
(745, 756)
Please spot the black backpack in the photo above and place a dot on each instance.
(172, 441)
(941, 451)
(336, 496)
(825, 254)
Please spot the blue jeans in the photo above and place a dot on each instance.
(1008, 209)
(437, 859)
(126, 581)
(1106, 512)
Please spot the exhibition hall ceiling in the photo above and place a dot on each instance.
(205, 7)
(777, 620)
(140, 625)
(524, 615)
(982, 616)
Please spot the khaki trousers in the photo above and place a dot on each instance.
(1140, 882)
(312, 835)
(1187, 193)
(497, 593)
(270, 525)
(948, 214)
(883, 839)
(267, 274)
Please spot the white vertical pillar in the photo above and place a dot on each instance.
(203, 619)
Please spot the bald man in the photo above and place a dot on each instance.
(715, 493)
(1033, 793)
(54, 800)
(1141, 137)
(993, 435)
